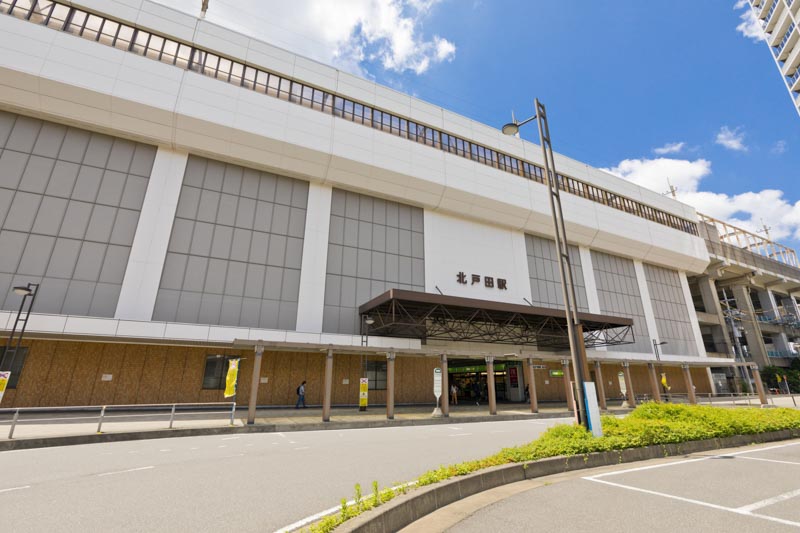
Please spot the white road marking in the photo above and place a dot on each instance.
(125, 471)
(460, 435)
(313, 518)
(247, 445)
(499, 432)
(195, 448)
(770, 501)
(15, 488)
(695, 502)
(165, 450)
(281, 435)
(686, 461)
(230, 438)
(292, 442)
(303, 448)
(222, 446)
(234, 455)
(770, 460)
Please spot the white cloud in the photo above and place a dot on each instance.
(732, 139)
(779, 148)
(750, 26)
(670, 148)
(344, 33)
(746, 210)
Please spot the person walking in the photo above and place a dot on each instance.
(454, 394)
(476, 391)
(301, 396)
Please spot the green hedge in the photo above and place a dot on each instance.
(648, 424)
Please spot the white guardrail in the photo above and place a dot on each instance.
(153, 411)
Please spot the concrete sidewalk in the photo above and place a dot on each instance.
(36, 429)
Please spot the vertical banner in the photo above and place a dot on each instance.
(623, 388)
(5, 377)
(437, 383)
(231, 378)
(363, 392)
(513, 377)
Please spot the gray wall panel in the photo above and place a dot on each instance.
(545, 277)
(373, 245)
(618, 292)
(672, 314)
(61, 189)
(239, 233)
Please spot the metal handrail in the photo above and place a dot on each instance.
(173, 410)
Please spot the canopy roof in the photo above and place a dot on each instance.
(421, 315)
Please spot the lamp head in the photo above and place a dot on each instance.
(512, 128)
(22, 291)
(369, 320)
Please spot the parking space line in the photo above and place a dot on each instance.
(687, 461)
(15, 488)
(125, 471)
(770, 501)
(695, 502)
(771, 460)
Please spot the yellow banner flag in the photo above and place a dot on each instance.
(664, 381)
(230, 379)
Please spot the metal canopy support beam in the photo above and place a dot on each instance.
(531, 378)
(445, 387)
(390, 385)
(253, 400)
(490, 385)
(327, 386)
(601, 387)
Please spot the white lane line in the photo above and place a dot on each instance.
(281, 435)
(15, 488)
(695, 502)
(460, 435)
(687, 461)
(303, 448)
(125, 471)
(230, 438)
(292, 442)
(770, 460)
(165, 450)
(770, 501)
(194, 448)
(313, 518)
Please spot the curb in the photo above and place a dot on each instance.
(408, 508)
(72, 440)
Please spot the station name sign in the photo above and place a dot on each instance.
(488, 281)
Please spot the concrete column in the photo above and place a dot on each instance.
(531, 379)
(762, 396)
(601, 387)
(256, 381)
(687, 377)
(327, 387)
(693, 322)
(626, 370)
(445, 387)
(311, 293)
(137, 296)
(647, 303)
(490, 384)
(568, 384)
(390, 385)
(654, 384)
(752, 331)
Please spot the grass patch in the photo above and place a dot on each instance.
(649, 424)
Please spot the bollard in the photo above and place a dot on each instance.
(172, 416)
(233, 411)
(13, 424)
(100, 422)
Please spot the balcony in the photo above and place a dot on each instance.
(780, 354)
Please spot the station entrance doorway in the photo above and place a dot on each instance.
(471, 381)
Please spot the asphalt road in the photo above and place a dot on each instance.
(748, 490)
(253, 482)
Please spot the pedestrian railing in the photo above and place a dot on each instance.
(105, 412)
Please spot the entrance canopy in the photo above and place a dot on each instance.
(420, 315)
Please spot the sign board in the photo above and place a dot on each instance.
(592, 409)
(363, 392)
(437, 383)
(106, 377)
(513, 378)
(622, 386)
(539, 367)
(5, 377)
(556, 373)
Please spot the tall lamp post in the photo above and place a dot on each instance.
(366, 322)
(577, 347)
(12, 345)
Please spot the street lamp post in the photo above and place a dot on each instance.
(577, 347)
(658, 358)
(12, 345)
(366, 322)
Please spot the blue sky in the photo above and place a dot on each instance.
(619, 80)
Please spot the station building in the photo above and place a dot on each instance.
(183, 194)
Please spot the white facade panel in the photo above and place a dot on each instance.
(315, 253)
(454, 245)
(146, 261)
